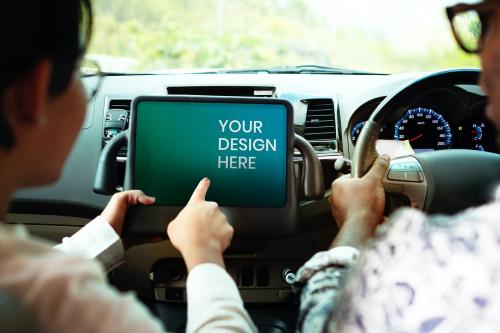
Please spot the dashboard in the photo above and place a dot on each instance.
(328, 111)
(443, 118)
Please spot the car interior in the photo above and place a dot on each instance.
(334, 121)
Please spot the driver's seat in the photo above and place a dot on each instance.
(14, 316)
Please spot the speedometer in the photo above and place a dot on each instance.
(424, 128)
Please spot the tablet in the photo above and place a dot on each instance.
(243, 145)
(240, 146)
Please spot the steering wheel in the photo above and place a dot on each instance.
(445, 181)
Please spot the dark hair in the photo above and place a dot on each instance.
(34, 30)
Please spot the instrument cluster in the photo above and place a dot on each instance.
(446, 118)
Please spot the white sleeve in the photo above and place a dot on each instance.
(96, 240)
(69, 293)
(214, 303)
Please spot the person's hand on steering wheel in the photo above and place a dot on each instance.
(358, 204)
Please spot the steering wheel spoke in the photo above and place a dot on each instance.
(406, 177)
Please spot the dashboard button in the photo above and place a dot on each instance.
(396, 175)
(285, 295)
(394, 188)
(233, 272)
(407, 166)
(262, 276)
(247, 276)
(416, 177)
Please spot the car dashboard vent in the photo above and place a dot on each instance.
(320, 129)
(116, 120)
(233, 91)
(120, 104)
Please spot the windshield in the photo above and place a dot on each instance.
(384, 36)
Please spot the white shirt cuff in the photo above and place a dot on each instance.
(96, 240)
(209, 281)
(214, 303)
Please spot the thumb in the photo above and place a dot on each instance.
(200, 191)
(379, 167)
(145, 199)
(134, 197)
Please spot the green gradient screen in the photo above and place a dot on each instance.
(240, 147)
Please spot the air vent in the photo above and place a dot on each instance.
(320, 129)
(116, 120)
(236, 91)
(120, 104)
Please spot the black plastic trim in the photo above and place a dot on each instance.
(52, 207)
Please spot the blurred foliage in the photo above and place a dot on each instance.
(176, 34)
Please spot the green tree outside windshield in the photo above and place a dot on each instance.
(184, 34)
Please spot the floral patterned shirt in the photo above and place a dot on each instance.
(418, 274)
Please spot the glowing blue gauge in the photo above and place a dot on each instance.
(477, 131)
(356, 130)
(424, 128)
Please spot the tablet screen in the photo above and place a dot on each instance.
(241, 147)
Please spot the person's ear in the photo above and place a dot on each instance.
(26, 99)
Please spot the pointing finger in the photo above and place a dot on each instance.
(200, 192)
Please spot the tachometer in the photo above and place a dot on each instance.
(357, 129)
(424, 128)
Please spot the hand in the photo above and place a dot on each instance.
(201, 231)
(115, 211)
(360, 201)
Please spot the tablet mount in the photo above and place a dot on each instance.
(310, 187)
